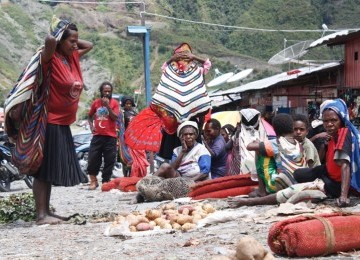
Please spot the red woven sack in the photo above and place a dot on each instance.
(222, 183)
(108, 186)
(128, 183)
(226, 193)
(130, 188)
(315, 235)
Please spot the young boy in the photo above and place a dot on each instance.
(301, 129)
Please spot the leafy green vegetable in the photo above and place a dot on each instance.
(17, 206)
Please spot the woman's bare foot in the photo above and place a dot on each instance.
(238, 202)
(52, 214)
(48, 220)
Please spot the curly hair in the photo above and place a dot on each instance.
(283, 124)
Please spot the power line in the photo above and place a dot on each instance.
(93, 2)
(232, 26)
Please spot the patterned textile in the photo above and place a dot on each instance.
(26, 109)
(144, 131)
(340, 108)
(248, 134)
(234, 164)
(183, 94)
(277, 161)
(287, 194)
(139, 164)
(124, 154)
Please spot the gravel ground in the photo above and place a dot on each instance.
(25, 240)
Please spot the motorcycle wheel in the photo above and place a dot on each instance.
(29, 181)
(5, 185)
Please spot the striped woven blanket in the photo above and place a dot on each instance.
(183, 94)
(26, 109)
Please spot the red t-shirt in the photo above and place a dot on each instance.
(65, 88)
(103, 124)
(343, 143)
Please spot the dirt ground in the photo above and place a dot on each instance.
(25, 240)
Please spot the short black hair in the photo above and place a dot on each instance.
(215, 123)
(302, 118)
(283, 124)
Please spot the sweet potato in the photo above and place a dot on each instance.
(143, 227)
(152, 214)
(188, 226)
(182, 219)
(186, 209)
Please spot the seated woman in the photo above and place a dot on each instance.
(342, 154)
(342, 160)
(191, 160)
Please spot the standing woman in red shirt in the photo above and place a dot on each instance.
(60, 166)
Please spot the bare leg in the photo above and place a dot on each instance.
(261, 191)
(49, 212)
(42, 198)
(266, 200)
(166, 171)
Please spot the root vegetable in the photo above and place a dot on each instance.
(152, 214)
(143, 227)
(132, 220)
(142, 218)
(182, 219)
(176, 226)
(152, 223)
(169, 206)
(132, 228)
(160, 221)
(188, 226)
(208, 208)
(167, 226)
(186, 208)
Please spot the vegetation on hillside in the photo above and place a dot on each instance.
(120, 57)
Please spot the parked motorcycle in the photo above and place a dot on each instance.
(8, 172)
(82, 153)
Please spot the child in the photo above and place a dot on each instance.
(277, 159)
(301, 129)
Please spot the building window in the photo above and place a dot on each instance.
(356, 55)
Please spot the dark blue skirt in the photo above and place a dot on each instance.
(60, 165)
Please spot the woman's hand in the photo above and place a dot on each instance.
(343, 202)
(183, 145)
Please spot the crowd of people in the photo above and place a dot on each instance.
(278, 153)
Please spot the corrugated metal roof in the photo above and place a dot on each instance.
(334, 38)
(270, 81)
(219, 100)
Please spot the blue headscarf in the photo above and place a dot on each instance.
(339, 107)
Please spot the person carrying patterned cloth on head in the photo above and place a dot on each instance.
(180, 95)
(56, 69)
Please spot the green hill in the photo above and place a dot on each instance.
(218, 29)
